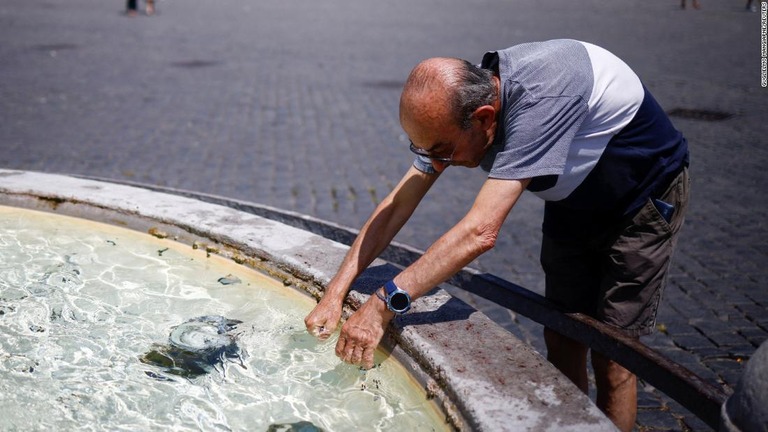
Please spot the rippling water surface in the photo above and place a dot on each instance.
(81, 302)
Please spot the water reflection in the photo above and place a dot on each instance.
(81, 304)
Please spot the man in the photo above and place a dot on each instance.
(571, 123)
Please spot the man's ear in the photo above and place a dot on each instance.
(486, 115)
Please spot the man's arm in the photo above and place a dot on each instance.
(475, 234)
(382, 226)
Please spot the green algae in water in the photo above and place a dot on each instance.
(82, 303)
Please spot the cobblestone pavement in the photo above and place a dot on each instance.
(293, 104)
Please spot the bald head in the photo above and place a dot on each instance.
(434, 74)
(446, 87)
(428, 91)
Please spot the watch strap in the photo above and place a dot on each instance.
(390, 287)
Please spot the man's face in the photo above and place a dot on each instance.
(440, 139)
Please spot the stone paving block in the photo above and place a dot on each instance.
(762, 324)
(755, 336)
(737, 295)
(709, 323)
(727, 339)
(668, 406)
(658, 340)
(673, 323)
(728, 370)
(690, 361)
(754, 312)
(741, 352)
(648, 398)
(759, 296)
(710, 353)
(658, 420)
(689, 421)
(738, 321)
(692, 341)
(673, 328)
(693, 310)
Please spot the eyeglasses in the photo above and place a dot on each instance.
(426, 154)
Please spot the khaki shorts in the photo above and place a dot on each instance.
(618, 277)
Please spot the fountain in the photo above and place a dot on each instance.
(448, 356)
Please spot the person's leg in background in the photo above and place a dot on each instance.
(131, 7)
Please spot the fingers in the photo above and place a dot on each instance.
(361, 334)
(352, 353)
(319, 325)
(341, 344)
(357, 356)
(367, 360)
(320, 332)
(355, 352)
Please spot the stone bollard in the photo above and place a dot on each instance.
(746, 410)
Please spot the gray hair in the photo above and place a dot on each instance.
(473, 88)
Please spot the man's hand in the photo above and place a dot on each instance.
(362, 332)
(324, 318)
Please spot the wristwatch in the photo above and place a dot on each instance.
(397, 300)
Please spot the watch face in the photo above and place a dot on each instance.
(399, 301)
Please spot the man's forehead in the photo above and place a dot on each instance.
(427, 117)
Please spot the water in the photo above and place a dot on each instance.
(81, 303)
